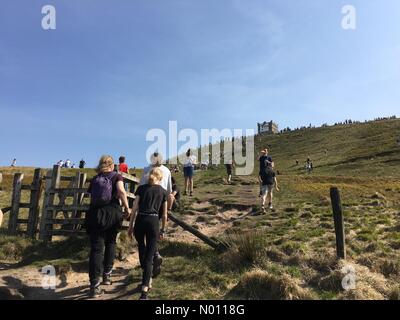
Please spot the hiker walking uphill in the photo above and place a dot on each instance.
(265, 160)
(309, 165)
(229, 168)
(151, 200)
(267, 180)
(166, 183)
(156, 161)
(188, 171)
(123, 167)
(265, 163)
(103, 222)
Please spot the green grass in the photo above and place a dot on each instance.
(293, 244)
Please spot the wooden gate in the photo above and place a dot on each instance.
(64, 206)
(15, 220)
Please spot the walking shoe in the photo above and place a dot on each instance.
(107, 279)
(144, 296)
(270, 206)
(264, 211)
(157, 261)
(95, 292)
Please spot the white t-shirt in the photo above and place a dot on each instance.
(166, 182)
(189, 161)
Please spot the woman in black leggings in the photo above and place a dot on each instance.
(151, 199)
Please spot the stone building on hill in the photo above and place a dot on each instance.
(267, 127)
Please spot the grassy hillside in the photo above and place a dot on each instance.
(363, 149)
(289, 253)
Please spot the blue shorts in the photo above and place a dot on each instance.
(188, 171)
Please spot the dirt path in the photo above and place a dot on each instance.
(209, 219)
(26, 282)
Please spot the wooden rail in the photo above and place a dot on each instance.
(72, 219)
(212, 243)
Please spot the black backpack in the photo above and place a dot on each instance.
(267, 175)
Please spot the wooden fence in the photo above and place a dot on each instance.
(66, 200)
(64, 204)
(15, 220)
(63, 216)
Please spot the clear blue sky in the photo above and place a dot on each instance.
(114, 69)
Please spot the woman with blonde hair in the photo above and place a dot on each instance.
(103, 222)
(150, 203)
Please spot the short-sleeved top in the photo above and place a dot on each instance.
(264, 162)
(152, 197)
(123, 167)
(115, 177)
(166, 182)
(268, 177)
(189, 161)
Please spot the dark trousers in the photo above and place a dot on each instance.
(146, 233)
(102, 253)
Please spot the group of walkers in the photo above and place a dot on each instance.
(156, 195)
(70, 165)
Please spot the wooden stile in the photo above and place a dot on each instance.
(36, 192)
(15, 203)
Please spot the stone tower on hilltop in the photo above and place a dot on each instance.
(267, 127)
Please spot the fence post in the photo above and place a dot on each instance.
(36, 191)
(16, 199)
(49, 201)
(339, 223)
(80, 196)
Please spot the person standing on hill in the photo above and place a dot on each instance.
(309, 165)
(188, 171)
(151, 199)
(103, 221)
(82, 164)
(123, 167)
(14, 163)
(267, 180)
(229, 168)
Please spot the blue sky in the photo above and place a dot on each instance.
(112, 70)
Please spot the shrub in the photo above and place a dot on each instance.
(248, 246)
(261, 285)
